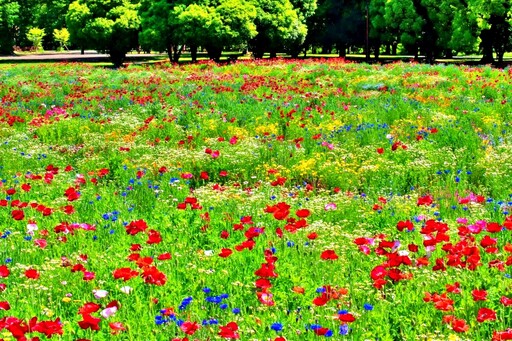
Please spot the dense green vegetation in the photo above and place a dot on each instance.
(431, 28)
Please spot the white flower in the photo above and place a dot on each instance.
(107, 312)
(99, 294)
(126, 289)
(31, 228)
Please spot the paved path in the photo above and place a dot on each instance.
(76, 56)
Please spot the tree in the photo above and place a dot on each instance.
(215, 25)
(50, 15)
(36, 35)
(62, 37)
(157, 31)
(9, 19)
(279, 27)
(110, 26)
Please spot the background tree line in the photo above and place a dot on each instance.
(433, 28)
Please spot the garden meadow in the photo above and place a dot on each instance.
(262, 200)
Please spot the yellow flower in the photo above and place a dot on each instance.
(66, 299)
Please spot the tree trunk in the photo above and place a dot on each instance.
(394, 47)
(193, 53)
(273, 54)
(342, 49)
(214, 53)
(486, 46)
(117, 58)
(169, 52)
(82, 51)
(388, 49)
(177, 53)
(376, 50)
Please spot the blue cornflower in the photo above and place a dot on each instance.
(206, 290)
(236, 311)
(223, 296)
(368, 307)
(329, 333)
(344, 329)
(213, 299)
(223, 306)
(276, 326)
(290, 243)
(28, 238)
(320, 290)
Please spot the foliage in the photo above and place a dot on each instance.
(36, 35)
(9, 17)
(62, 37)
(106, 26)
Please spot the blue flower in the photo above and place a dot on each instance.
(290, 243)
(223, 306)
(206, 290)
(368, 307)
(276, 326)
(236, 310)
(344, 329)
(320, 290)
(329, 333)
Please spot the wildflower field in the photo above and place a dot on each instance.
(283, 200)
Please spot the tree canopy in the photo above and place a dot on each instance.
(440, 28)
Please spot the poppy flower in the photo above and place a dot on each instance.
(116, 327)
(189, 328)
(164, 256)
(329, 255)
(502, 335)
(459, 325)
(153, 276)
(479, 295)
(225, 253)
(303, 213)
(32, 274)
(88, 308)
(486, 314)
(507, 302)
(125, 273)
(4, 271)
(18, 214)
(154, 237)
(346, 317)
(425, 200)
(136, 226)
(229, 331)
(4, 305)
(89, 322)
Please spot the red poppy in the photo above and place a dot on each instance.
(89, 322)
(346, 318)
(4, 271)
(136, 226)
(425, 200)
(405, 225)
(266, 270)
(32, 274)
(154, 237)
(164, 256)
(48, 328)
(303, 213)
(460, 326)
(89, 308)
(225, 253)
(229, 331)
(116, 327)
(189, 328)
(4, 305)
(17, 214)
(152, 275)
(125, 273)
(380, 150)
(329, 255)
(502, 335)
(479, 295)
(507, 302)
(486, 314)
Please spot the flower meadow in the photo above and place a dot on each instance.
(271, 200)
